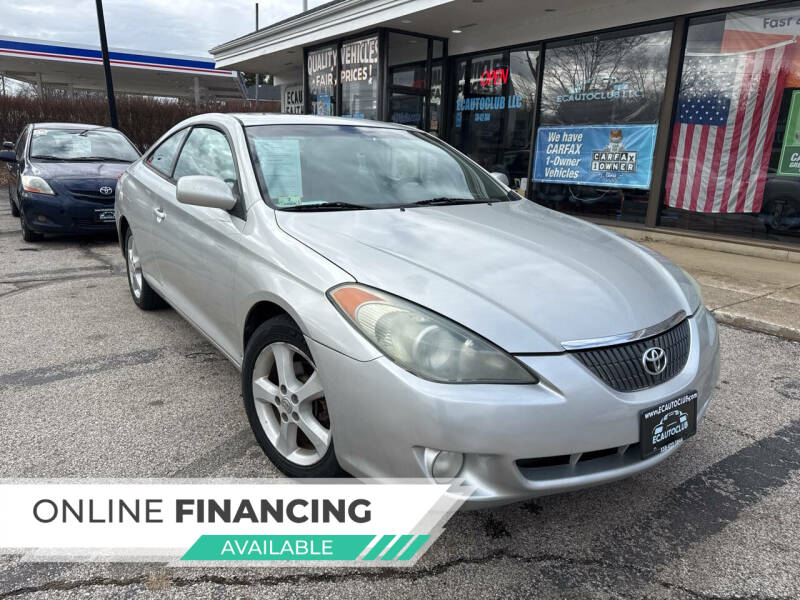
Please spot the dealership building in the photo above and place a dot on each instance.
(681, 115)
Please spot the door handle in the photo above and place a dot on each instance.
(160, 214)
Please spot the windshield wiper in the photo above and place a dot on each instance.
(101, 159)
(47, 157)
(444, 201)
(326, 206)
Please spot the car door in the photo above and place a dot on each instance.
(145, 187)
(197, 245)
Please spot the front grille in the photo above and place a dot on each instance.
(92, 195)
(621, 368)
(564, 466)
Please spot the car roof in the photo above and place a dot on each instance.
(81, 126)
(248, 119)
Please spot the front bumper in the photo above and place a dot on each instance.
(384, 418)
(63, 215)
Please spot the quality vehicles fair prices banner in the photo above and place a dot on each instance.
(368, 523)
(598, 155)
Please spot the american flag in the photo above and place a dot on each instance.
(721, 142)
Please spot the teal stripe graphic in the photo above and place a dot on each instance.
(278, 547)
(414, 547)
(395, 548)
(377, 548)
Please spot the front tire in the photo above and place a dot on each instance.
(143, 295)
(285, 401)
(28, 234)
(14, 209)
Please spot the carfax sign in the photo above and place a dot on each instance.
(599, 155)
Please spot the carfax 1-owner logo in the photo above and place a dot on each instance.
(597, 155)
(615, 157)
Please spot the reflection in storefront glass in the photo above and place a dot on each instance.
(734, 160)
(600, 105)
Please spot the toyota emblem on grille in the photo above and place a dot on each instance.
(106, 190)
(654, 360)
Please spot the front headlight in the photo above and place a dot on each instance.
(37, 185)
(423, 342)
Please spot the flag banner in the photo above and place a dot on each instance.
(722, 138)
(753, 29)
(367, 523)
(596, 155)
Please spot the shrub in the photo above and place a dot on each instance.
(142, 119)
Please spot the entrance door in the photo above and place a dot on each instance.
(416, 66)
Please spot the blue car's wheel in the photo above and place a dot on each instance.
(27, 234)
(14, 209)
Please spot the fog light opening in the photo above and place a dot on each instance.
(41, 219)
(446, 465)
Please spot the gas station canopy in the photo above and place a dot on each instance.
(73, 67)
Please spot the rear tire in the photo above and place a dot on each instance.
(143, 295)
(27, 234)
(285, 401)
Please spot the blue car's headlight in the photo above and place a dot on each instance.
(36, 185)
(423, 342)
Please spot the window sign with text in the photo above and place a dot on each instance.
(598, 155)
(359, 77)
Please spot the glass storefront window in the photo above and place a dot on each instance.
(493, 111)
(600, 105)
(734, 159)
(321, 73)
(359, 77)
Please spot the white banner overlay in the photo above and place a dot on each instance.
(227, 522)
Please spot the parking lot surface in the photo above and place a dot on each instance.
(92, 387)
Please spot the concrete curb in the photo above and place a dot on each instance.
(678, 239)
(751, 324)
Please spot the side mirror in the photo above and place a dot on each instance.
(202, 190)
(8, 145)
(501, 177)
(7, 156)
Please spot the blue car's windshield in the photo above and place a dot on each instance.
(78, 144)
(308, 167)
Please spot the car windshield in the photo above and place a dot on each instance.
(343, 167)
(82, 144)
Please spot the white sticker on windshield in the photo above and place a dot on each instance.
(280, 164)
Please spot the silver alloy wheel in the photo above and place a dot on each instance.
(290, 403)
(134, 268)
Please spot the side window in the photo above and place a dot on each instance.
(163, 157)
(207, 152)
(20, 149)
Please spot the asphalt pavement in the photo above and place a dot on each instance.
(92, 387)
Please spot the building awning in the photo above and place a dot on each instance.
(60, 64)
(482, 24)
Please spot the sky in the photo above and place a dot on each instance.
(175, 26)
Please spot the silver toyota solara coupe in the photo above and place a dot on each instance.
(397, 311)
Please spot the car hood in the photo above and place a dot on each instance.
(525, 277)
(77, 170)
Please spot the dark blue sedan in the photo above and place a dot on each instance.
(63, 177)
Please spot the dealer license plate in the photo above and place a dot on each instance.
(664, 425)
(104, 215)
